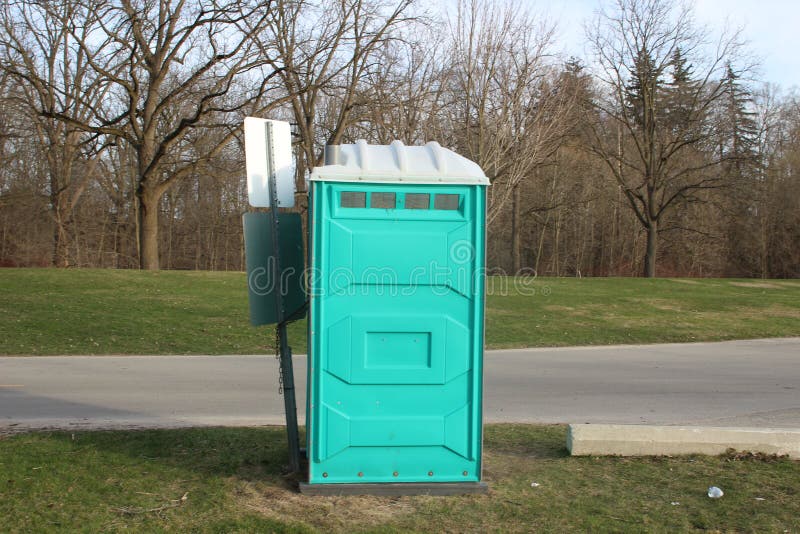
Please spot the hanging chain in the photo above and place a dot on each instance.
(278, 357)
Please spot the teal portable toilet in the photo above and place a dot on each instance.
(397, 241)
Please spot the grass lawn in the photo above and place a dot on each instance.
(49, 311)
(229, 480)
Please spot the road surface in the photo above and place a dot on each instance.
(742, 383)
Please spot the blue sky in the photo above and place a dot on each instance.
(771, 27)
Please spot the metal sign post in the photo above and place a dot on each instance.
(286, 367)
(274, 251)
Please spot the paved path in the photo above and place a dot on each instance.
(748, 383)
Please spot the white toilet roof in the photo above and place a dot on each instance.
(397, 163)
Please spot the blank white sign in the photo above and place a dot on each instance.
(257, 145)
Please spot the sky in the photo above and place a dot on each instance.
(771, 28)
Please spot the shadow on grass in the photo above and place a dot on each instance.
(145, 480)
(236, 480)
(530, 441)
(246, 453)
(260, 454)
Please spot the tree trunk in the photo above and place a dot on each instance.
(148, 230)
(57, 206)
(539, 249)
(60, 241)
(652, 249)
(515, 232)
(556, 241)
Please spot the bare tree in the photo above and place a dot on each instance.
(38, 50)
(323, 51)
(172, 66)
(772, 219)
(506, 114)
(653, 134)
(406, 91)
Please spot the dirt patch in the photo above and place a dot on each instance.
(732, 455)
(329, 514)
(685, 281)
(757, 285)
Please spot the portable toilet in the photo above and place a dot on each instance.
(397, 241)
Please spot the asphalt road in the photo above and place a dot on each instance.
(741, 383)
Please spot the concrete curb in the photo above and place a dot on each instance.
(491, 352)
(646, 440)
(660, 346)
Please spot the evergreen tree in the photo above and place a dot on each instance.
(739, 142)
(739, 150)
(643, 91)
(574, 80)
(681, 114)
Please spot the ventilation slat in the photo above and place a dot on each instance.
(383, 200)
(418, 201)
(446, 202)
(353, 199)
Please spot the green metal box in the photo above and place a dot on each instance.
(396, 316)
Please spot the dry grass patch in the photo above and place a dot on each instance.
(326, 514)
(757, 285)
(500, 311)
(782, 311)
(559, 308)
(663, 304)
(578, 311)
(749, 313)
(568, 310)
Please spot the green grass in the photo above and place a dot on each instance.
(231, 478)
(49, 311)
(603, 311)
